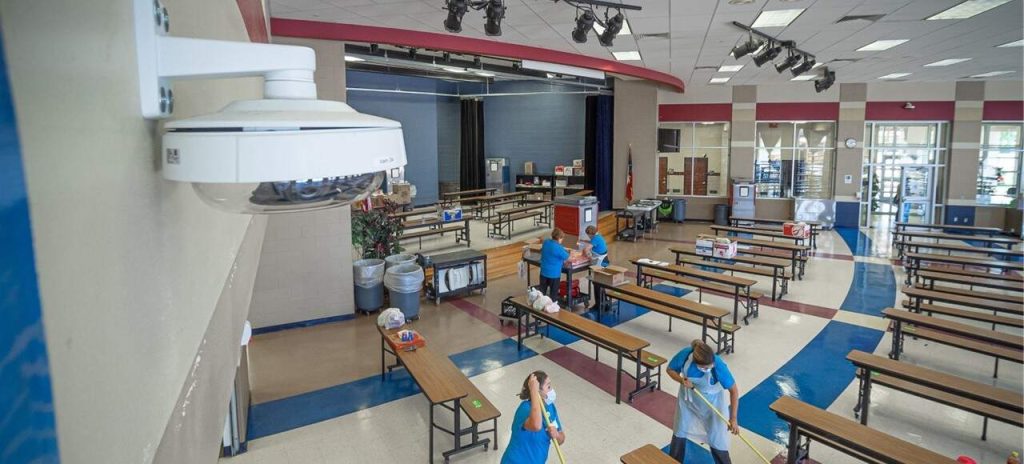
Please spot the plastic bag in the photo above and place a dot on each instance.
(368, 273)
(391, 318)
(404, 278)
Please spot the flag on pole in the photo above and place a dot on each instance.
(629, 176)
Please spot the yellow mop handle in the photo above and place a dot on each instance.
(547, 424)
(722, 416)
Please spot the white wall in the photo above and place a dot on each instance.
(131, 267)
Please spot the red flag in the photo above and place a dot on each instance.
(629, 176)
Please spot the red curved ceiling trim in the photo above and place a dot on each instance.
(460, 44)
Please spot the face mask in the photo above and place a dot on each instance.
(551, 396)
(704, 369)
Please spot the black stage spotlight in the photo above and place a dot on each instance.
(787, 63)
(612, 28)
(447, 57)
(746, 48)
(495, 12)
(374, 48)
(803, 67)
(456, 9)
(769, 53)
(584, 23)
(412, 53)
(476, 62)
(826, 81)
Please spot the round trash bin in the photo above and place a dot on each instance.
(368, 278)
(722, 215)
(679, 210)
(397, 259)
(404, 282)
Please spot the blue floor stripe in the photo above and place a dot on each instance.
(872, 290)
(817, 375)
(320, 405)
(695, 454)
(859, 243)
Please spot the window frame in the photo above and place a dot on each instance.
(827, 176)
(983, 147)
(689, 148)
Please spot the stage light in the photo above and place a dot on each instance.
(787, 63)
(456, 9)
(826, 81)
(495, 13)
(769, 53)
(584, 23)
(746, 48)
(803, 67)
(612, 28)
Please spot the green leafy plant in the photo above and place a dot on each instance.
(375, 232)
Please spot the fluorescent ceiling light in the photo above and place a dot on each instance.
(625, 28)
(805, 77)
(719, 80)
(627, 56)
(948, 62)
(455, 70)
(776, 18)
(880, 45)
(730, 68)
(1019, 43)
(352, 59)
(894, 75)
(993, 74)
(483, 74)
(968, 9)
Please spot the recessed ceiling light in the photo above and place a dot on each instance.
(805, 77)
(483, 73)
(740, 2)
(776, 18)
(993, 74)
(718, 80)
(352, 59)
(1019, 43)
(455, 70)
(880, 45)
(968, 9)
(948, 62)
(894, 75)
(730, 68)
(627, 56)
(625, 28)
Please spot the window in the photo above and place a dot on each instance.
(693, 158)
(903, 177)
(999, 166)
(794, 159)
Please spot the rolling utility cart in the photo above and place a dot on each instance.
(455, 273)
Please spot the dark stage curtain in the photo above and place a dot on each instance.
(599, 148)
(471, 157)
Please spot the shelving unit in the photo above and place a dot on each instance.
(534, 183)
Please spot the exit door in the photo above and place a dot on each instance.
(917, 188)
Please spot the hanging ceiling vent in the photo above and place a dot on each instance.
(869, 18)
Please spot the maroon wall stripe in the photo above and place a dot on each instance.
(1003, 111)
(695, 112)
(828, 111)
(460, 44)
(255, 20)
(923, 111)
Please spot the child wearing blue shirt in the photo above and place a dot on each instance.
(531, 437)
(552, 257)
(598, 246)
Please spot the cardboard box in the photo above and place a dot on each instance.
(577, 163)
(796, 229)
(579, 171)
(609, 276)
(705, 245)
(451, 215)
(528, 167)
(559, 170)
(724, 248)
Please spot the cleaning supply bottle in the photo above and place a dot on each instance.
(1014, 458)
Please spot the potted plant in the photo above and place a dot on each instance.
(375, 232)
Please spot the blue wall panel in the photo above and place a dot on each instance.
(27, 428)
(847, 214)
(959, 215)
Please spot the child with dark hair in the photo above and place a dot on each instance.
(531, 440)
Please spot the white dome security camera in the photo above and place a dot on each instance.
(288, 152)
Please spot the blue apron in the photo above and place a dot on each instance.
(694, 420)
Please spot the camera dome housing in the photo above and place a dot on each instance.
(281, 155)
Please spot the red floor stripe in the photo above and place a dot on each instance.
(658, 405)
(484, 316)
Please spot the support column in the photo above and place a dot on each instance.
(962, 162)
(744, 117)
(849, 161)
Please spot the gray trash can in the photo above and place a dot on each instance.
(679, 210)
(397, 259)
(368, 277)
(722, 215)
(404, 282)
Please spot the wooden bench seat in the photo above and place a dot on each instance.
(701, 285)
(515, 217)
(461, 233)
(903, 246)
(966, 344)
(776, 268)
(505, 219)
(967, 314)
(1015, 278)
(479, 410)
(809, 423)
(919, 295)
(930, 276)
(982, 399)
(647, 454)
(728, 330)
(973, 293)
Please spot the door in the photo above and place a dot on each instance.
(916, 192)
(662, 175)
(700, 176)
